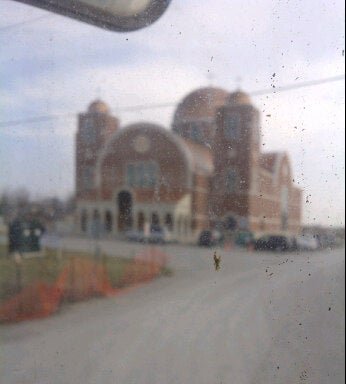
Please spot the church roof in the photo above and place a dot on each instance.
(98, 106)
(271, 161)
(201, 104)
(238, 98)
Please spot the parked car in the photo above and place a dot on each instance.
(205, 239)
(274, 243)
(157, 235)
(209, 238)
(133, 235)
(244, 239)
(307, 243)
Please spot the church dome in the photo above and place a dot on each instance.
(201, 104)
(238, 98)
(98, 106)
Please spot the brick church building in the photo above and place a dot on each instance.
(207, 172)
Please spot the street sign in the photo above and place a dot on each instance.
(115, 15)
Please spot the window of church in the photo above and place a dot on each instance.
(88, 131)
(142, 175)
(96, 224)
(108, 222)
(155, 221)
(195, 132)
(232, 180)
(284, 208)
(169, 222)
(186, 226)
(130, 176)
(88, 178)
(84, 222)
(232, 127)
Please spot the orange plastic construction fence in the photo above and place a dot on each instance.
(79, 280)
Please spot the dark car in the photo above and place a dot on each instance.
(157, 235)
(274, 243)
(209, 238)
(205, 239)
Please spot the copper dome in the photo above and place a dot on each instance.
(98, 106)
(201, 104)
(238, 98)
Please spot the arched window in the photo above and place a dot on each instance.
(155, 220)
(232, 127)
(96, 224)
(142, 175)
(84, 221)
(284, 208)
(96, 215)
(140, 221)
(108, 222)
(125, 208)
(169, 222)
(232, 182)
(88, 178)
(186, 226)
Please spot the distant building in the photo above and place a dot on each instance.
(207, 172)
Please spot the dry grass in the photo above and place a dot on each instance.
(47, 268)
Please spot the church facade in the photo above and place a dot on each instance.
(207, 172)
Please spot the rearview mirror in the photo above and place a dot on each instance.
(115, 15)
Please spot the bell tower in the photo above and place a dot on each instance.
(236, 153)
(94, 127)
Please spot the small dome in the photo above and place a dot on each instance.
(238, 98)
(98, 106)
(200, 105)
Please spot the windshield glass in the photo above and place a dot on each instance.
(172, 198)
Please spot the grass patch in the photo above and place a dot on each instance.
(47, 269)
(115, 267)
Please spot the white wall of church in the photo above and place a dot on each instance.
(180, 212)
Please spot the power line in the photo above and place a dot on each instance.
(37, 119)
(303, 84)
(262, 92)
(25, 22)
(135, 108)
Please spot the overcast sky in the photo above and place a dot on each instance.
(54, 65)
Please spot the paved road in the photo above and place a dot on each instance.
(261, 319)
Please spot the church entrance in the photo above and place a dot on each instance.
(124, 211)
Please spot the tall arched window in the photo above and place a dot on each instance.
(186, 226)
(96, 224)
(155, 220)
(284, 208)
(84, 221)
(169, 222)
(108, 222)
